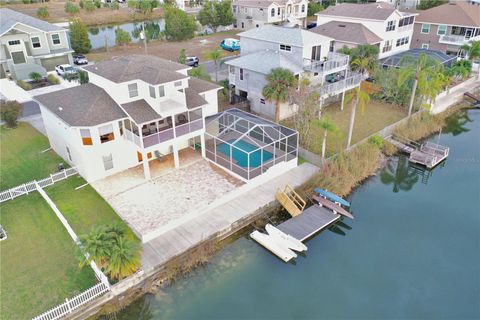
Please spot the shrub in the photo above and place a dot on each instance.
(122, 37)
(89, 6)
(10, 111)
(52, 79)
(83, 77)
(114, 5)
(24, 85)
(314, 7)
(98, 4)
(377, 141)
(178, 24)
(81, 4)
(35, 76)
(70, 8)
(27, 1)
(42, 12)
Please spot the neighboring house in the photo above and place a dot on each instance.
(306, 54)
(30, 45)
(402, 4)
(392, 27)
(256, 13)
(447, 27)
(135, 109)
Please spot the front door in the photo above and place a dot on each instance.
(316, 53)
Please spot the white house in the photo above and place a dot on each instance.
(380, 24)
(255, 13)
(30, 45)
(134, 109)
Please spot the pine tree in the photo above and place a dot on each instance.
(79, 37)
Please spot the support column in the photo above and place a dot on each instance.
(343, 99)
(203, 146)
(320, 108)
(146, 167)
(176, 159)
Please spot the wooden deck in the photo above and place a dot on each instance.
(311, 221)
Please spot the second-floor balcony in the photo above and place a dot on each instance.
(334, 62)
(457, 40)
(352, 80)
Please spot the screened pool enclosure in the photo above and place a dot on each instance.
(248, 145)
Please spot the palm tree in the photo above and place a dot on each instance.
(401, 177)
(473, 52)
(461, 69)
(124, 258)
(97, 244)
(280, 81)
(358, 97)
(420, 71)
(216, 56)
(328, 126)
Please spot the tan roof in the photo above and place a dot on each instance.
(150, 69)
(375, 11)
(347, 32)
(459, 13)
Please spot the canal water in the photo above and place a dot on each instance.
(413, 251)
(99, 35)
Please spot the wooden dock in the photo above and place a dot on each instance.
(311, 221)
(427, 154)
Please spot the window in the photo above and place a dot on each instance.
(231, 69)
(278, 11)
(106, 133)
(387, 47)
(303, 8)
(391, 25)
(152, 92)
(86, 137)
(402, 41)
(425, 46)
(234, 9)
(262, 101)
(332, 46)
(442, 30)
(425, 28)
(241, 74)
(13, 42)
(177, 83)
(273, 12)
(406, 21)
(132, 90)
(284, 47)
(69, 154)
(120, 127)
(108, 162)
(161, 91)
(36, 42)
(243, 25)
(56, 38)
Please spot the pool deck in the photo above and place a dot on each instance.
(221, 217)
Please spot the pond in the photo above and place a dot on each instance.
(99, 35)
(413, 251)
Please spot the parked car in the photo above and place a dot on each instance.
(80, 59)
(65, 70)
(192, 61)
(230, 44)
(311, 25)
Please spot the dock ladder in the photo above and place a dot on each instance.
(291, 200)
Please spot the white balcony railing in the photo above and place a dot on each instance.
(352, 80)
(457, 40)
(334, 62)
(405, 28)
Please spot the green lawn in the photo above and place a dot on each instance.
(38, 267)
(376, 116)
(83, 208)
(21, 156)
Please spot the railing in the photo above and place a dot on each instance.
(31, 185)
(456, 40)
(352, 80)
(405, 28)
(188, 127)
(157, 138)
(71, 304)
(334, 61)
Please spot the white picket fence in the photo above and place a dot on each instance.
(71, 304)
(31, 186)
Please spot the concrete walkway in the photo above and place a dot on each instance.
(220, 218)
(455, 94)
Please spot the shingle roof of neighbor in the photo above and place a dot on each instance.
(348, 32)
(264, 61)
(259, 3)
(375, 11)
(150, 69)
(140, 111)
(290, 36)
(85, 105)
(9, 18)
(460, 13)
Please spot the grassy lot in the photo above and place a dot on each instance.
(37, 263)
(21, 156)
(375, 117)
(83, 208)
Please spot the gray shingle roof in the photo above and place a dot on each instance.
(201, 86)
(82, 106)
(194, 99)
(456, 13)
(9, 18)
(290, 36)
(259, 3)
(264, 61)
(375, 11)
(347, 32)
(150, 69)
(140, 111)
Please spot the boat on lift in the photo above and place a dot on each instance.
(285, 239)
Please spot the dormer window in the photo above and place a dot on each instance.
(132, 90)
(152, 92)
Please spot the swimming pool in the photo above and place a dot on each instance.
(240, 157)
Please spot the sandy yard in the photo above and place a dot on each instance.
(149, 205)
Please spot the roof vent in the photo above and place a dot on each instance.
(60, 108)
(342, 25)
(379, 7)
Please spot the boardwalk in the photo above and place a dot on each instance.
(242, 204)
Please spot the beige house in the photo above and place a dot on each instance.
(30, 45)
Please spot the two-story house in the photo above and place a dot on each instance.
(255, 13)
(134, 109)
(30, 45)
(448, 27)
(380, 24)
(304, 53)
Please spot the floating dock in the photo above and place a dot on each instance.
(427, 154)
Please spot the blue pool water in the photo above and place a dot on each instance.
(240, 157)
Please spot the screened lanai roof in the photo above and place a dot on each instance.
(395, 60)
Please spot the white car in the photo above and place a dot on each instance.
(65, 70)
